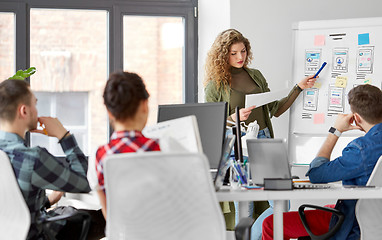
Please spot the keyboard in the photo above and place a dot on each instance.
(311, 186)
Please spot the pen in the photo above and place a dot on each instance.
(319, 70)
(242, 177)
(43, 129)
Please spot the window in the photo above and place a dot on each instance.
(75, 45)
(153, 47)
(69, 51)
(7, 45)
(71, 108)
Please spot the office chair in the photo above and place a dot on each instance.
(155, 195)
(331, 231)
(368, 212)
(14, 213)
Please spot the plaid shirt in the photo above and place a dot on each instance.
(123, 142)
(36, 170)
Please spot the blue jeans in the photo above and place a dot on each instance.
(256, 230)
(257, 227)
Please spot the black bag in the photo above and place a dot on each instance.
(75, 223)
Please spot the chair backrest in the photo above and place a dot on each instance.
(14, 213)
(156, 195)
(369, 211)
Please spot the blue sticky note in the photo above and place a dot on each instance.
(363, 39)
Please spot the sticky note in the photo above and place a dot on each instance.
(317, 85)
(341, 81)
(319, 118)
(363, 39)
(335, 101)
(319, 40)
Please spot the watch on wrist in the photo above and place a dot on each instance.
(335, 131)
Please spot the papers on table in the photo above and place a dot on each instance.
(261, 99)
(177, 135)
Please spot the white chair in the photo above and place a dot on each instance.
(14, 213)
(156, 195)
(369, 211)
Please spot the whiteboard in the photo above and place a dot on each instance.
(352, 50)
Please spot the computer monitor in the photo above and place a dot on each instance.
(211, 119)
(237, 132)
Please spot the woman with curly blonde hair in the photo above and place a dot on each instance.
(229, 79)
(217, 66)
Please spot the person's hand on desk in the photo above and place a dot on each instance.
(244, 113)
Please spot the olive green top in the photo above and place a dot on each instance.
(222, 93)
(241, 85)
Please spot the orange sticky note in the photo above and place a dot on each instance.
(319, 40)
(319, 118)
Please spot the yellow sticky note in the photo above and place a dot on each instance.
(341, 81)
(367, 81)
(317, 85)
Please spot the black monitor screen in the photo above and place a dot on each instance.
(211, 119)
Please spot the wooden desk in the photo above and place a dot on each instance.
(280, 197)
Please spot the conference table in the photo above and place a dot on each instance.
(280, 197)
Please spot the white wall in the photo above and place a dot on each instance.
(214, 17)
(267, 24)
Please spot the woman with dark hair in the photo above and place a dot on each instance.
(126, 100)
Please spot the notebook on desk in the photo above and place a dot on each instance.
(268, 158)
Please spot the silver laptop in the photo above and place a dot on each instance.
(268, 158)
(223, 164)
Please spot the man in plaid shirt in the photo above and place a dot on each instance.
(35, 168)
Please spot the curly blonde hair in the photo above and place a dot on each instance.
(217, 66)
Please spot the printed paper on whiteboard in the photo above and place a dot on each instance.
(261, 99)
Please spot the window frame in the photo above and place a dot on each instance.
(190, 83)
(116, 9)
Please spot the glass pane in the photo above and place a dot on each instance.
(153, 47)
(7, 45)
(43, 103)
(69, 50)
(71, 108)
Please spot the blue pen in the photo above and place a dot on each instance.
(319, 70)
(240, 173)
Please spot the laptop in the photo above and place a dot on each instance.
(268, 158)
(224, 161)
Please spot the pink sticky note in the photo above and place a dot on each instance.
(319, 118)
(335, 101)
(319, 40)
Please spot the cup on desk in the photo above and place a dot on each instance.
(234, 179)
